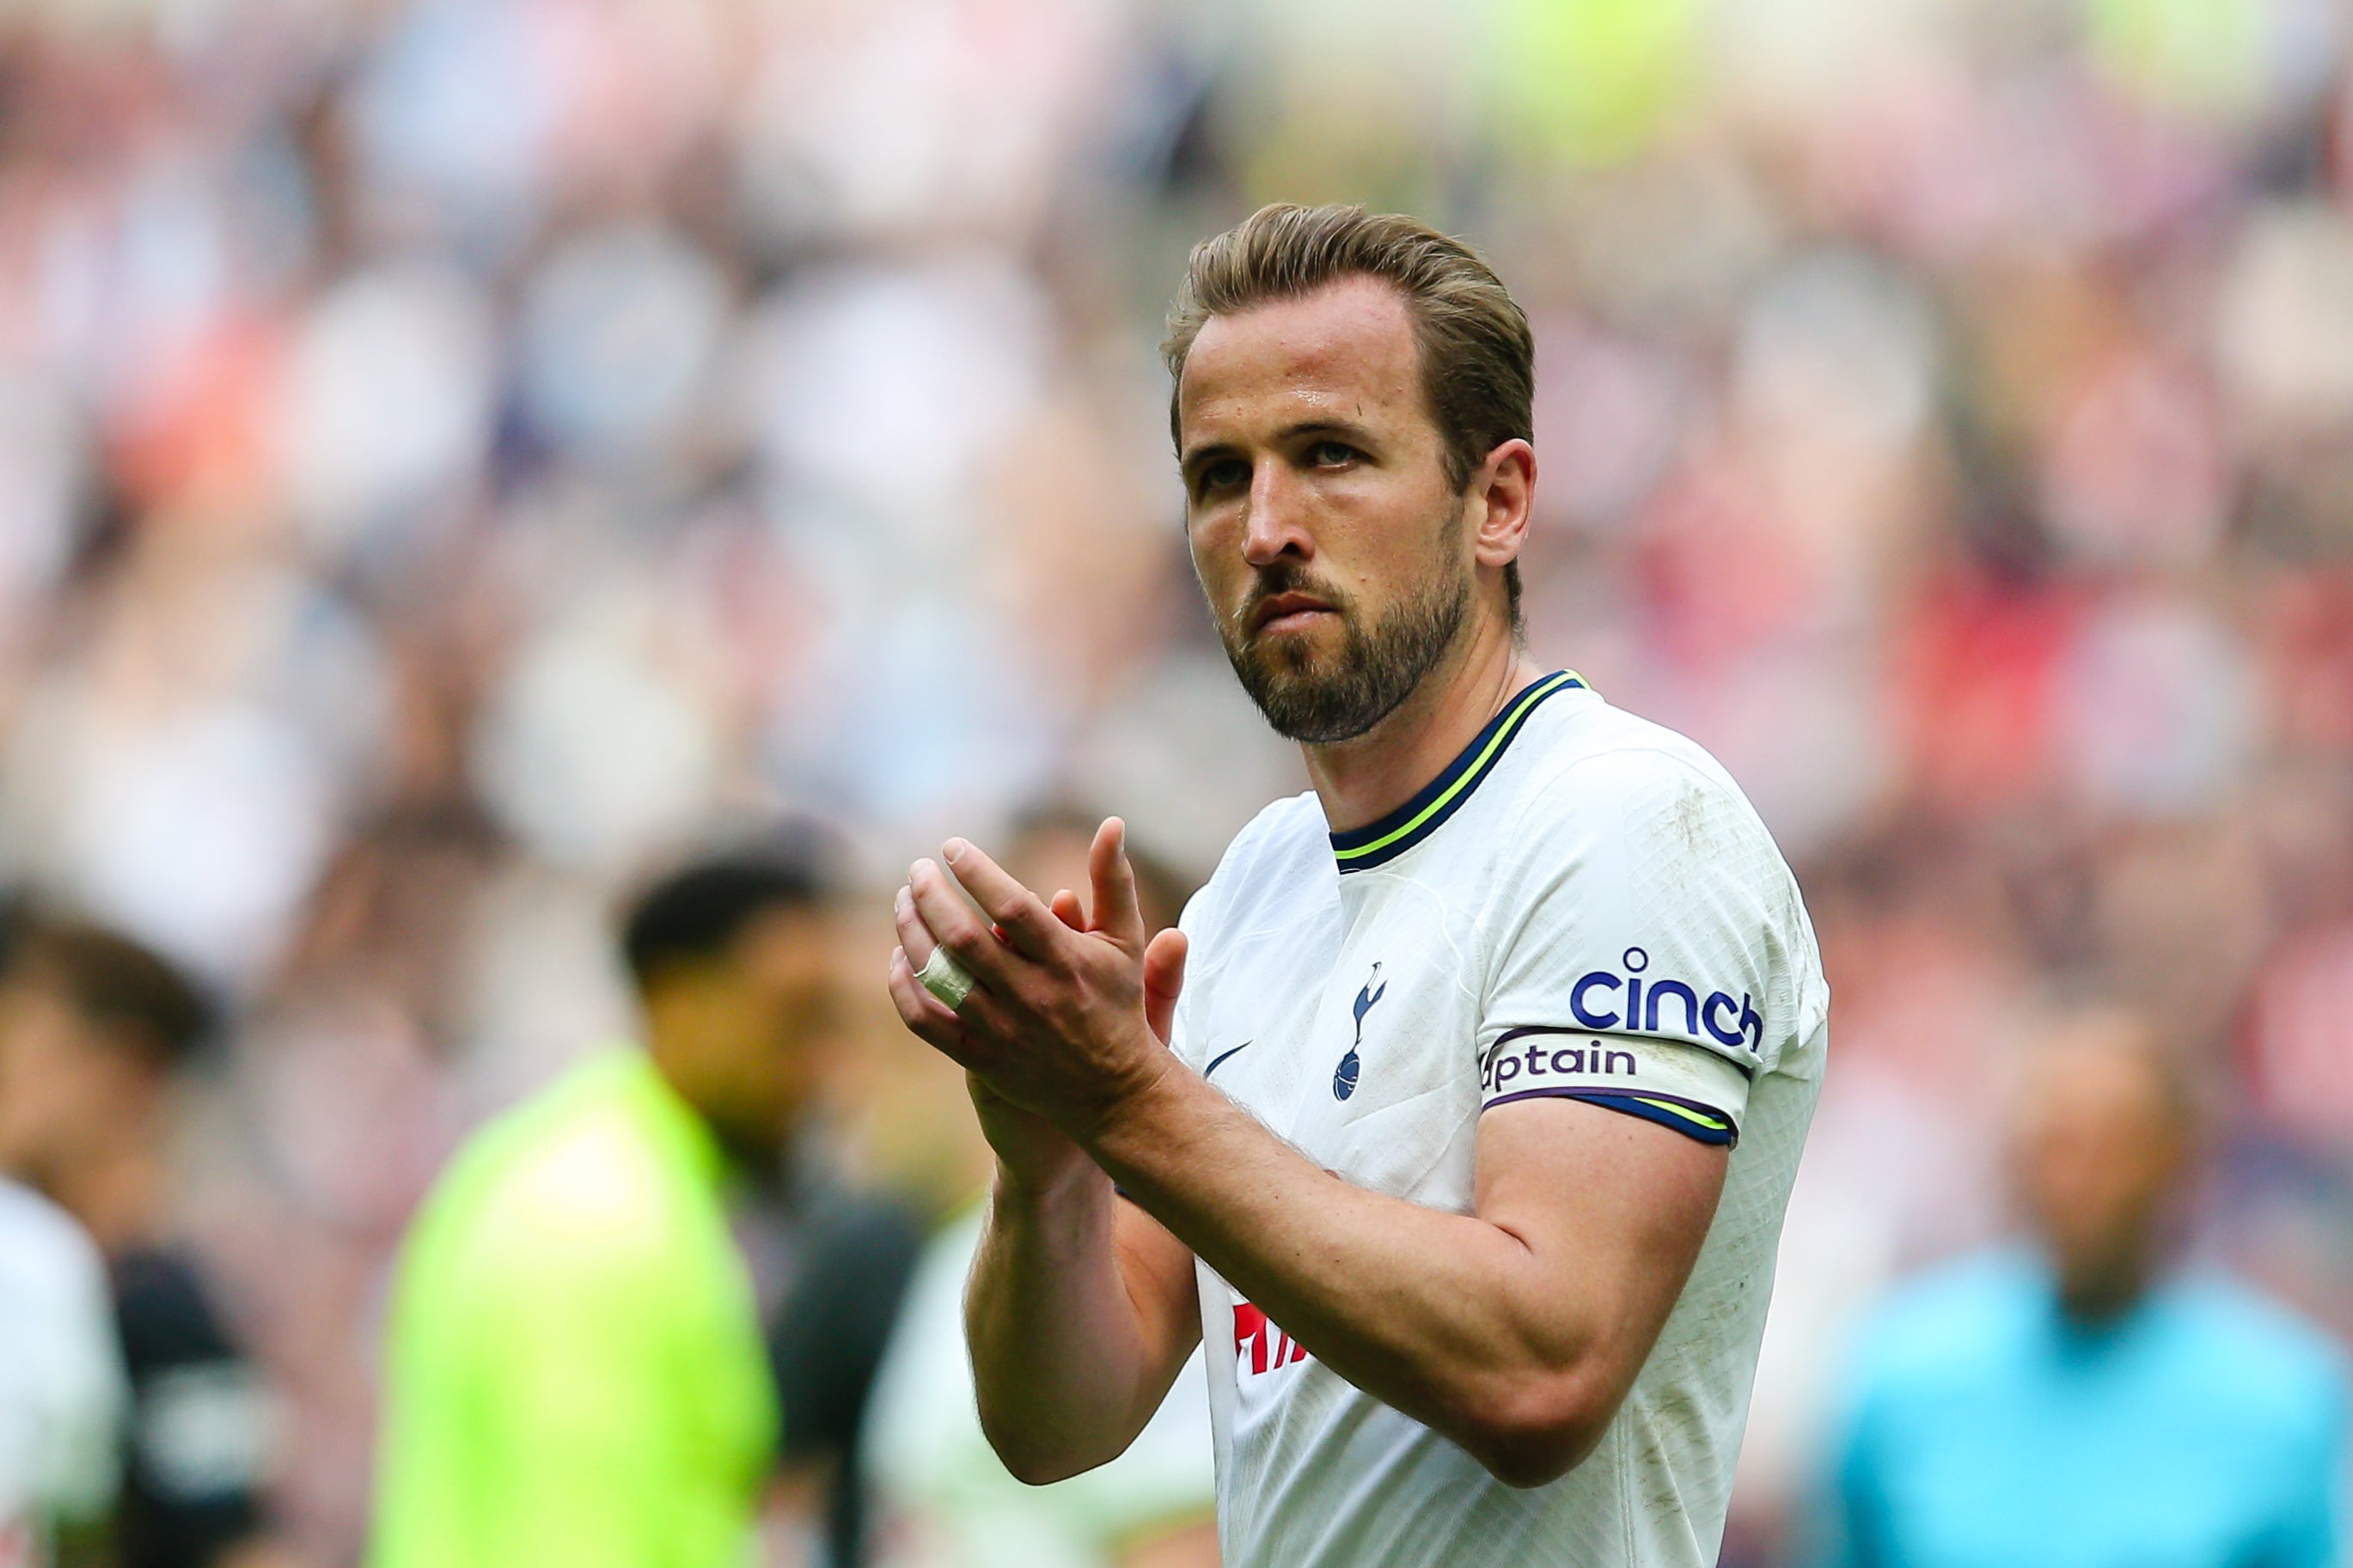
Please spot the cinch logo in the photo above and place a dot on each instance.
(1602, 1000)
(1258, 1345)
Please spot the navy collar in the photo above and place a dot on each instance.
(1377, 843)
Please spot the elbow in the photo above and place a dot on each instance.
(1029, 1462)
(1533, 1434)
(1036, 1470)
(1033, 1458)
(1529, 1457)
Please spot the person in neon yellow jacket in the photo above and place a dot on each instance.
(575, 1375)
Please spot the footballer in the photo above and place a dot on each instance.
(1459, 1115)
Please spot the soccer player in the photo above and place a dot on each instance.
(576, 1376)
(1465, 1145)
(95, 1032)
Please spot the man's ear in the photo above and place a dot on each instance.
(1502, 494)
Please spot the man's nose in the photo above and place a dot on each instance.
(1273, 529)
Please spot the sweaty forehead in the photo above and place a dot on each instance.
(1346, 350)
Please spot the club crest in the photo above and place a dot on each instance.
(1344, 1076)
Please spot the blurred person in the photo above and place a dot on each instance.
(947, 1501)
(61, 1385)
(575, 1369)
(835, 1257)
(2083, 1401)
(854, 1252)
(350, 1075)
(94, 1030)
(1464, 1154)
(61, 1369)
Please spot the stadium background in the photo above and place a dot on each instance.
(454, 453)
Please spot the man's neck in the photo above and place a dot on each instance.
(2100, 1296)
(754, 1160)
(1362, 780)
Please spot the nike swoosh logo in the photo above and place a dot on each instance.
(1223, 1059)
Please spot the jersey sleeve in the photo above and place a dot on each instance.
(1639, 958)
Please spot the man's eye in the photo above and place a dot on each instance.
(1224, 474)
(1331, 454)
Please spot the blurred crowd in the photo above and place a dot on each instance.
(457, 454)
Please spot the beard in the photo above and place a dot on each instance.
(1323, 700)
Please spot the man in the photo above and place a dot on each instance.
(94, 1030)
(2079, 1404)
(1464, 1150)
(576, 1373)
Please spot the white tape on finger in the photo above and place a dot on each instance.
(946, 979)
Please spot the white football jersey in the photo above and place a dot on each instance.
(61, 1379)
(1584, 905)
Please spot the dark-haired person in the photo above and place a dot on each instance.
(1461, 1141)
(93, 1031)
(576, 1376)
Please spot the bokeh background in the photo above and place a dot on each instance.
(455, 452)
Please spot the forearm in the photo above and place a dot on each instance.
(1448, 1318)
(1514, 1331)
(1062, 1365)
